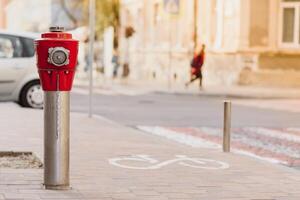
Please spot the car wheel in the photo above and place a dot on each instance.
(32, 95)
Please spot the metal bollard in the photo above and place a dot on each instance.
(226, 126)
(56, 61)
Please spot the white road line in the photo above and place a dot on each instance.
(246, 139)
(96, 91)
(109, 92)
(197, 142)
(293, 129)
(179, 137)
(130, 92)
(274, 133)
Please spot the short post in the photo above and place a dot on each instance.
(226, 126)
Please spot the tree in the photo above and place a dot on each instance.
(107, 14)
(69, 7)
(68, 12)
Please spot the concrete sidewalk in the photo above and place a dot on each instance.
(108, 161)
(122, 86)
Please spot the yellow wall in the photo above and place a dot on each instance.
(259, 23)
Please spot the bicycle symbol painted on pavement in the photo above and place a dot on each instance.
(145, 162)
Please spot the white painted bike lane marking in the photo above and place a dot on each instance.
(152, 163)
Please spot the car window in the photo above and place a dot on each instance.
(10, 47)
(6, 48)
(28, 45)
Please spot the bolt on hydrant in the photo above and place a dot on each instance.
(56, 61)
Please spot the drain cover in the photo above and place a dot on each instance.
(19, 160)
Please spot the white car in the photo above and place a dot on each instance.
(19, 80)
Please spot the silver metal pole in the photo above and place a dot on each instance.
(91, 53)
(227, 125)
(56, 139)
(170, 55)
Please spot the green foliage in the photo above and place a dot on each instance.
(107, 14)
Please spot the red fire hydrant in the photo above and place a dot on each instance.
(56, 62)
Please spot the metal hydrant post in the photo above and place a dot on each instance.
(56, 60)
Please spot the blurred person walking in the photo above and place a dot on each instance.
(116, 64)
(129, 31)
(196, 67)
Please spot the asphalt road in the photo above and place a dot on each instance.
(156, 109)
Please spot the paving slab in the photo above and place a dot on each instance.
(110, 161)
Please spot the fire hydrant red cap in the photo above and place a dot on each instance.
(56, 59)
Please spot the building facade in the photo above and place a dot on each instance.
(249, 42)
(3, 4)
(37, 15)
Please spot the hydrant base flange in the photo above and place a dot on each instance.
(57, 187)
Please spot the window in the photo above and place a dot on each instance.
(156, 16)
(6, 48)
(290, 23)
(10, 47)
(28, 45)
